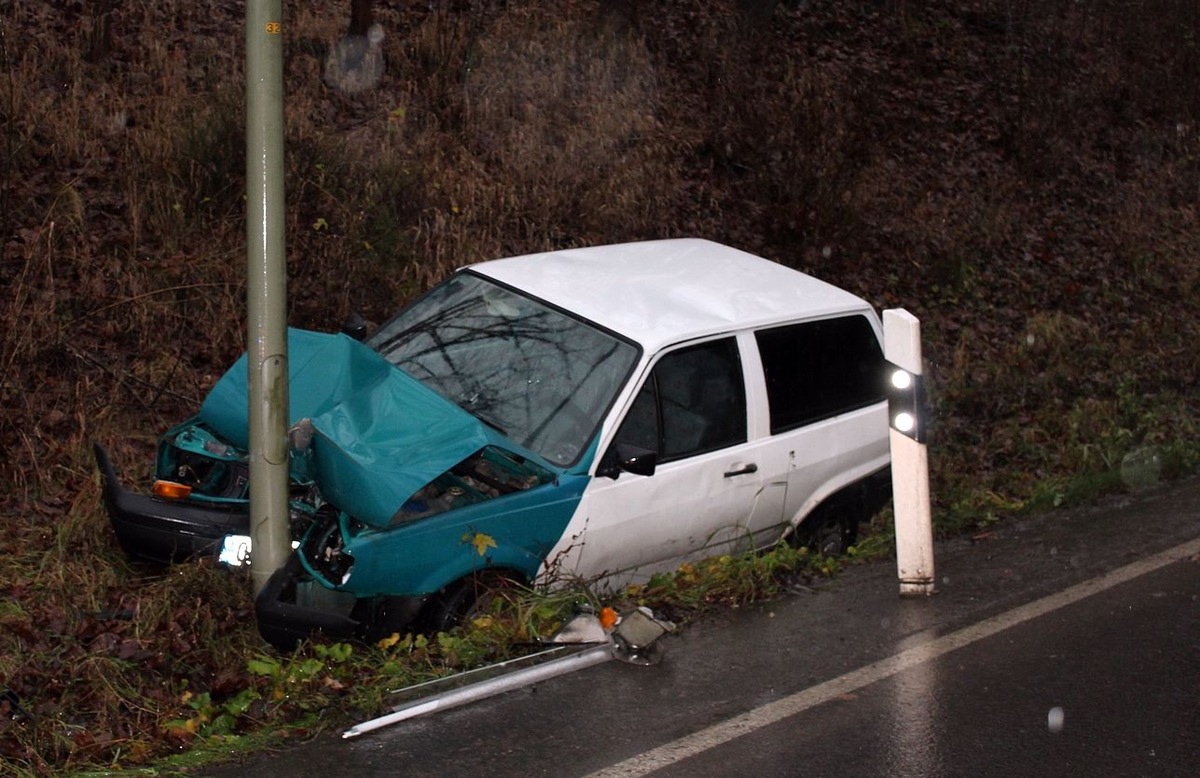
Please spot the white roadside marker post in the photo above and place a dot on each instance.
(910, 457)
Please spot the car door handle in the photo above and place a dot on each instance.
(747, 470)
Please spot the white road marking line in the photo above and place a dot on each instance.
(717, 734)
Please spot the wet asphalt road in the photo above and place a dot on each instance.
(853, 680)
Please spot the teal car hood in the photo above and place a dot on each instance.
(380, 434)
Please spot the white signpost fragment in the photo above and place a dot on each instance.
(910, 458)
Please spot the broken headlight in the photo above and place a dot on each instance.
(193, 456)
(324, 547)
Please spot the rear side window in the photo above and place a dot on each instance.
(820, 369)
(694, 401)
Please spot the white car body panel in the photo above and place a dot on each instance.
(663, 295)
(831, 454)
(685, 289)
(627, 529)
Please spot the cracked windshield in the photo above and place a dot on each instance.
(542, 378)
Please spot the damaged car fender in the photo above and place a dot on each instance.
(443, 548)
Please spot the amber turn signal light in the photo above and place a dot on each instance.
(171, 490)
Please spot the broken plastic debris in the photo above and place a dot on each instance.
(640, 628)
(584, 628)
(636, 636)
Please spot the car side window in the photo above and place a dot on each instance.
(819, 369)
(693, 401)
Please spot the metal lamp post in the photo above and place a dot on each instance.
(266, 290)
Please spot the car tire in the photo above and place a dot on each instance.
(462, 600)
(830, 532)
(382, 616)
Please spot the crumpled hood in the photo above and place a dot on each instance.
(381, 435)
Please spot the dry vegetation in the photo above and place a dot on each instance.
(1023, 175)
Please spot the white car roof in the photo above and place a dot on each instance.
(661, 292)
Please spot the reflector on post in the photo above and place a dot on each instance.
(906, 402)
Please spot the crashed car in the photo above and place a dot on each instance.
(597, 414)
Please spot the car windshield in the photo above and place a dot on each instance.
(541, 377)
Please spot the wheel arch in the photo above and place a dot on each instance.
(861, 495)
(513, 561)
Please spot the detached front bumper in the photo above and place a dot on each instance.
(164, 531)
(286, 615)
(292, 607)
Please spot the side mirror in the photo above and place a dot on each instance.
(355, 326)
(628, 458)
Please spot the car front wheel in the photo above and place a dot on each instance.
(463, 600)
(383, 616)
